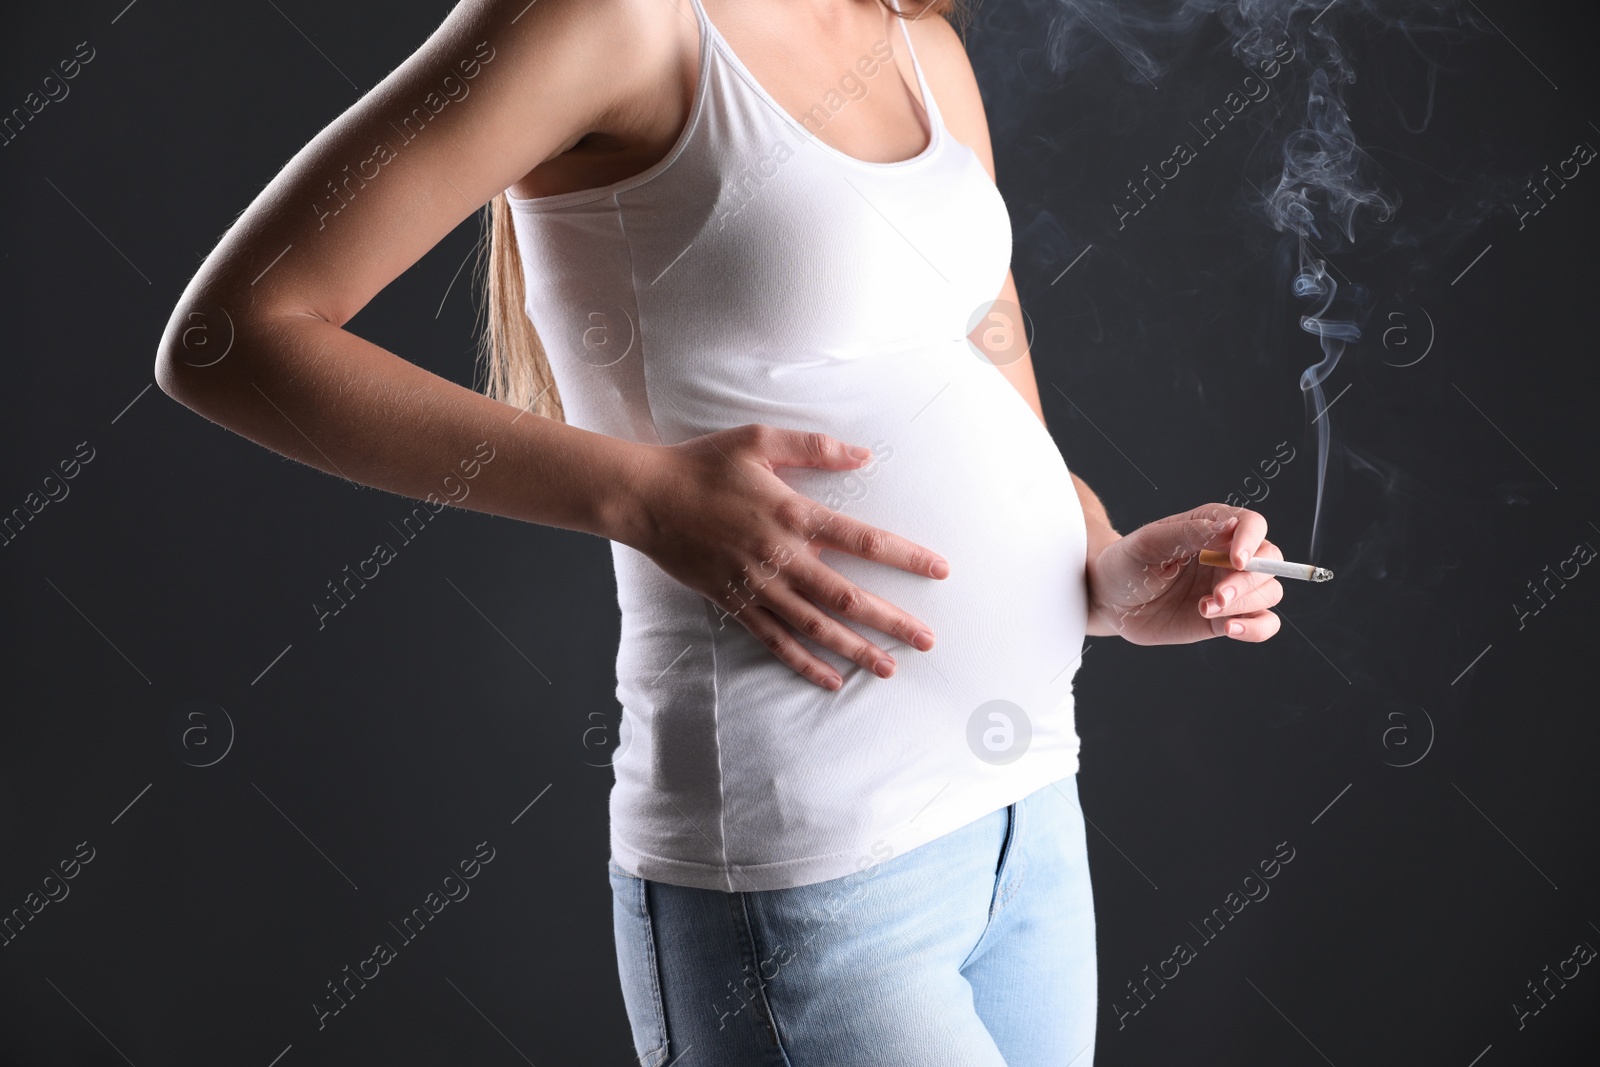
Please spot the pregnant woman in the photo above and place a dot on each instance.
(746, 276)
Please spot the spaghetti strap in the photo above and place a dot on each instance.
(929, 105)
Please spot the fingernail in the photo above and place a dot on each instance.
(940, 569)
(1224, 525)
(1236, 628)
(922, 640)
(1226, 595)
(1210, 606)
(883, 668)
(859, 452)
(833, 681)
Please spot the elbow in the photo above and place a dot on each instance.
(195, 387)
(199, 335)
(174, 379)
(211, 354)
(201, 352)
(168, 371)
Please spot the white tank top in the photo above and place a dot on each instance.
(757, 274)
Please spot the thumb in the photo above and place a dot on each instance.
(808, 448)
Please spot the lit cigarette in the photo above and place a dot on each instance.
(1277, 568)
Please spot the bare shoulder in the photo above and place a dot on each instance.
(642, 73)
(608, 52)
(624, 44)
(955, 87)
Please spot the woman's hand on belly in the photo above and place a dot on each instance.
(713, 515)
(1150, 587)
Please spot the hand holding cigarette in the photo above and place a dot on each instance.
(1154, 587)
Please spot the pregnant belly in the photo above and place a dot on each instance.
(962, 466)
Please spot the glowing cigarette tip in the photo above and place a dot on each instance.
(1275, 567)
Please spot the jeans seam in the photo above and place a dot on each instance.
(754, 943)
(653, 1057)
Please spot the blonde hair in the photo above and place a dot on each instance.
(511, 357)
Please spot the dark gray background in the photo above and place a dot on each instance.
(462, 685)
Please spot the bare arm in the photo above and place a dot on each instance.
(488, 96)
(949, 72)
(501, 87)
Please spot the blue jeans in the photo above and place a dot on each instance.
(976, 949)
